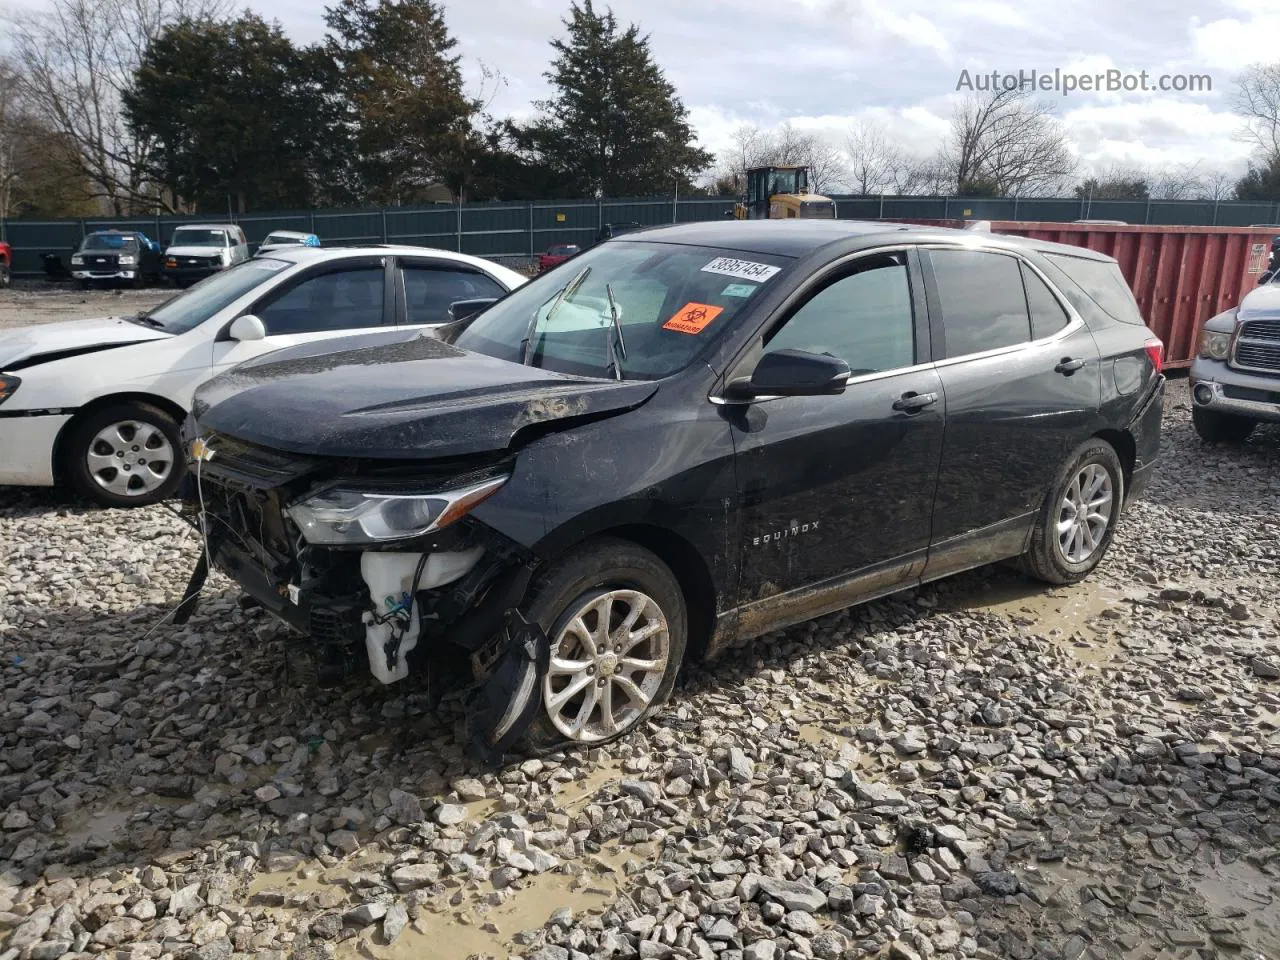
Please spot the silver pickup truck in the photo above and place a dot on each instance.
(1235, 378)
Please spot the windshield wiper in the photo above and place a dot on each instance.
(568, 290)
(146, 319)
(613, 338)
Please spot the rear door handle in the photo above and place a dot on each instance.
(1068, 366)
(912, 402)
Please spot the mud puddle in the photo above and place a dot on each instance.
(97, 830)
(488, 930)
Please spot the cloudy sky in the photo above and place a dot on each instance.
(824, 63)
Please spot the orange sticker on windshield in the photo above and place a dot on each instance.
(693, 317)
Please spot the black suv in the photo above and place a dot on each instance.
(684, 438)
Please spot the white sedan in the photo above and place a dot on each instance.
(97, 404)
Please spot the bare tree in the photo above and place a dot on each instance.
(783, 146)
(877, 164)
(77, 59)
(1007, 143)
(9, 112)
(1218, 185)
(1181, 181)
(1257, 99)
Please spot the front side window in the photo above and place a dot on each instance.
(338, 300)
(983, 303)
(672, 303)
(864, 318)
(429, 291)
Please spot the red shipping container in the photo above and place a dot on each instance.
(1181, 276)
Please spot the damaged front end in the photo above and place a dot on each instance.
(379, 566)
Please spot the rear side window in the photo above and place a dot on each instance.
(983, 303)
(1047, 314)
(1102, 283)
(429, 291)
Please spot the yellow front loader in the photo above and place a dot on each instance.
(782, 193)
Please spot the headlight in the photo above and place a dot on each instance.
(76, 258)
(126, 261)
(1214, 345)
(343, 517)
(7, 386)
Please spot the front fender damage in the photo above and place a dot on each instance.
(504, 706)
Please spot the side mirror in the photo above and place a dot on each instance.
(793, 373)
(247, 327)
(466, 309)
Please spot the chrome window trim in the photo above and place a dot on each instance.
(1075, 322)
(833, 266)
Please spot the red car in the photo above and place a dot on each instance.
(6, 264)
(556, 254)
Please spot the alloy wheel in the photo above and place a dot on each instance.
(1085, 513)
(607, 665)
(131, 458)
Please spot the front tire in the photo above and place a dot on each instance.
(1214, 427)
(618, 626)
(6, 275)
(1078, 518)
(125, 455)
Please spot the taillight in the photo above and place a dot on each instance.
(1155, 350)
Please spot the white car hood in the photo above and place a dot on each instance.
(26, 345)
(194, 251)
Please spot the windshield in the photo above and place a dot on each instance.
(672, 302)
(109, 241)
(196, 305)
(185, 237)
(280, 239)
(563, 250)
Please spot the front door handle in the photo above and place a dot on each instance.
(1068, 366)
(912, 402)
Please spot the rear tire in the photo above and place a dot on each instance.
(141, 438)
(1214, 427)
(1070, 537)
(6, 275)
(632, 584)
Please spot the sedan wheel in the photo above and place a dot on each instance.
(125, 455)
(608, 662)
(1085, 513)
(131, 458)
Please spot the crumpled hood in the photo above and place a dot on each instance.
(24, 346)
(398, 395)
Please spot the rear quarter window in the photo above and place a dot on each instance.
(1096, 284)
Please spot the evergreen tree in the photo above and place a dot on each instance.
(1260, 183)
(614, 125)
(236, 111)
(408, 121)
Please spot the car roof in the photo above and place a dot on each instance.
(800, 237)
(321, 254)
(204, 226)
(290, 233)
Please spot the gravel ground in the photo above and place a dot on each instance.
(30, 302)
(980, 768)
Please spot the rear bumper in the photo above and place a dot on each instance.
(26, 449)
(1216, 386)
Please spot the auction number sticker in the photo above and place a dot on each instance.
(693, 317)
(741, 269)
